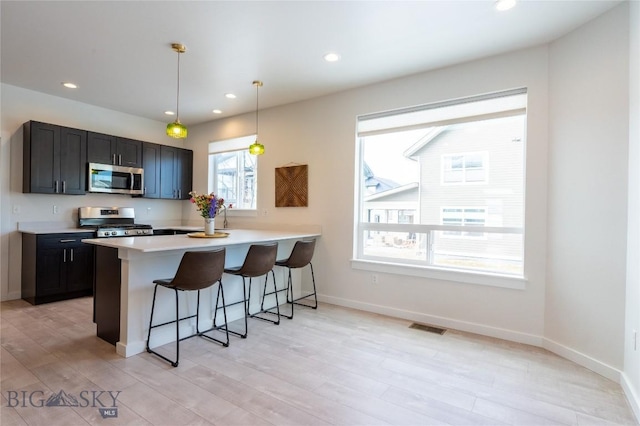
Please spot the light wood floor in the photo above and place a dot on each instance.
(331, 366)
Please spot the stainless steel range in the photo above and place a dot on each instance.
(112, 222)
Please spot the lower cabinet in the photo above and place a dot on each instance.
(56, 267)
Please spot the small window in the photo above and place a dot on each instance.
(464, 168)
(233, 172)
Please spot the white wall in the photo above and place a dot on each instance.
(631, 375)
(20, 105)
(321, 133)
(588, 163)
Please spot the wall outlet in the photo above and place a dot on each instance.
(148, 211)
(16, 209)
(374, 279)
(55, 209)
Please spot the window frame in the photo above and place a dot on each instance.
(231, 145)
(421, 268)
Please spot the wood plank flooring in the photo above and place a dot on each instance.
(331, 366)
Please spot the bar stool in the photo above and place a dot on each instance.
(197, 270)
(299, 258)
(259, 261)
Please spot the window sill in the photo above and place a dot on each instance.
(487, 279)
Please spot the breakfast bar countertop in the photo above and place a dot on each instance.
(159, 243)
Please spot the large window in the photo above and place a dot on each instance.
(233, 172)
(441, 186)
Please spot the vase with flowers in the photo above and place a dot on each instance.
(209, 205)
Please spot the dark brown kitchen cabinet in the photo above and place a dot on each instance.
(56, 267)
(107, 149)
(54, 159)
(176, 172)
(151, 165)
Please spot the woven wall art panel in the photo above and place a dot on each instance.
(292, 186)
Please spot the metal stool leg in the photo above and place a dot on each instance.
(267, 311)
(214, 327)
(177, 321)
(314, 294)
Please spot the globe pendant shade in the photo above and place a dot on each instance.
(176, 130)
(256, 148)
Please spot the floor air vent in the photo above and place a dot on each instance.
(429, 328)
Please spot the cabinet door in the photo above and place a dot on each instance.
(185, 167)
(168, 172)
(128, 152)
(151, 166)
(50, 270)
(41, 168)
(79, 272)
(73, 161)
(101, 148)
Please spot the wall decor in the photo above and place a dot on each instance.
(292, 186)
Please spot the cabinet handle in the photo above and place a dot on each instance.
(68, 241)
(64, 186)
(113, 160)
(72, 255)
(119, 159)
(64, 256)
(55, 186)
(179, 194)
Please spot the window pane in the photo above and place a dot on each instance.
(235, 178)
(395, 245)
(454, 173)
(501, 253)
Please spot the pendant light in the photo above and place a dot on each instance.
(176, 129)
(256, 148)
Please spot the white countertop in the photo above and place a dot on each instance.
(161, 243)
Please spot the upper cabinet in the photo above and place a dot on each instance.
(107, 149)
(176, 172)
(151, 165)
(55, 159)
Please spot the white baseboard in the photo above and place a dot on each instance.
(12, 296)
(438, 321)
(586, 361)
(632, 395)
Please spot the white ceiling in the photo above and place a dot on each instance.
(119, 54)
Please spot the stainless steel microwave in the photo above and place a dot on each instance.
(115, 179)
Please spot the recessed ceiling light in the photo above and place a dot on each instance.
(69, 85)
(331, 57)
(170, 113)
(503, 5)
(217, 111)
(230, 96)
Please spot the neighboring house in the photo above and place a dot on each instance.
(471, 174)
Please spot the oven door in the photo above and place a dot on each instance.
(115, 179)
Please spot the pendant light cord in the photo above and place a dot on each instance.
(178, 91)
(257, 91)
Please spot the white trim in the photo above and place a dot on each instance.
(632, 395)
(474, 277)
(584, 360)
(499, 333)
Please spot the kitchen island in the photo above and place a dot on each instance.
(126, 267)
